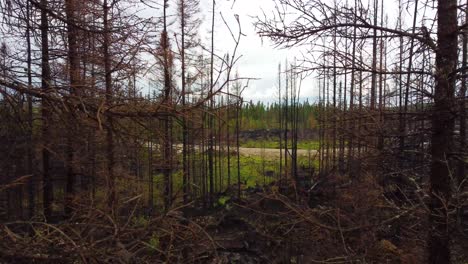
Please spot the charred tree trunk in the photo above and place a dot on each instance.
(167, 144)
(228, 134)
(443, 122)
(30, 150)
(74, 75)
(211, 118)
(185, 170)
(374, 59)
(280, 124)
(111, 195)
(47, 187)
(462, 98)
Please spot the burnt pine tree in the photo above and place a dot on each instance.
(47, 187)
(167, 102)
(73, 75)
(30, 151)
(111, 195)
(443, 122)
(189, 23)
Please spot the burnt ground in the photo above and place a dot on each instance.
(337, 221)
(350, 224)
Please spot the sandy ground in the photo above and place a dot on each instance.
(273, 153)
(269, 153)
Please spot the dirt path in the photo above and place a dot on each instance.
(273, 153)
(268, 152)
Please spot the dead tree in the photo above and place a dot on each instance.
(47, 185)
(443, 123)
(30, 151)
(462, 100)
(111, 196)
(187, 10)
(74, 75)
(167, 101)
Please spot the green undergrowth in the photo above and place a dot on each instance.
(255, 171)
(274, 144)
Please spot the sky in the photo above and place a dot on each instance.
(260, 58)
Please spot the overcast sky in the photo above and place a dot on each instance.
(259, 57)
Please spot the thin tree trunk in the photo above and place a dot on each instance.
(74, 76)
(343, 116)
(228, 133)
(111, 195)
(462, 96)
(45, 85)
(286, 124)
(150, 169)
(166, 121)
(361, 80)
(238, 116)
(280, 124)
(30, 150)
(408, 79)
(351, 94)
(401, 123)
(184, 120)
(220, 169)
(380, 140)
(374, 59)
(211, 118)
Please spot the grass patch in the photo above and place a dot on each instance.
(274, 144)
(255, 171)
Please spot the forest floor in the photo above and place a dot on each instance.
(332, 223)
(336, 225)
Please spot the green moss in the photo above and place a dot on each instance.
(140, 221)
(223, 200)
(154, 242)
(253, 169)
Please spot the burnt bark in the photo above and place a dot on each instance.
(443, 122)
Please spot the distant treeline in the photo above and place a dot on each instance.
(266, 116)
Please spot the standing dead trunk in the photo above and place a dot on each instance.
(167, 144)
(111, 195)
(443, 122)
(408, 82)
(380, 139)
(351, 93)
(185, 170)
(286, 124)
(462, 96)
(30, 150)
(280, 124)
(374, 58)
(211, 118)
(238, 124)
(47, 185)
(228, 133)
(74, 75)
